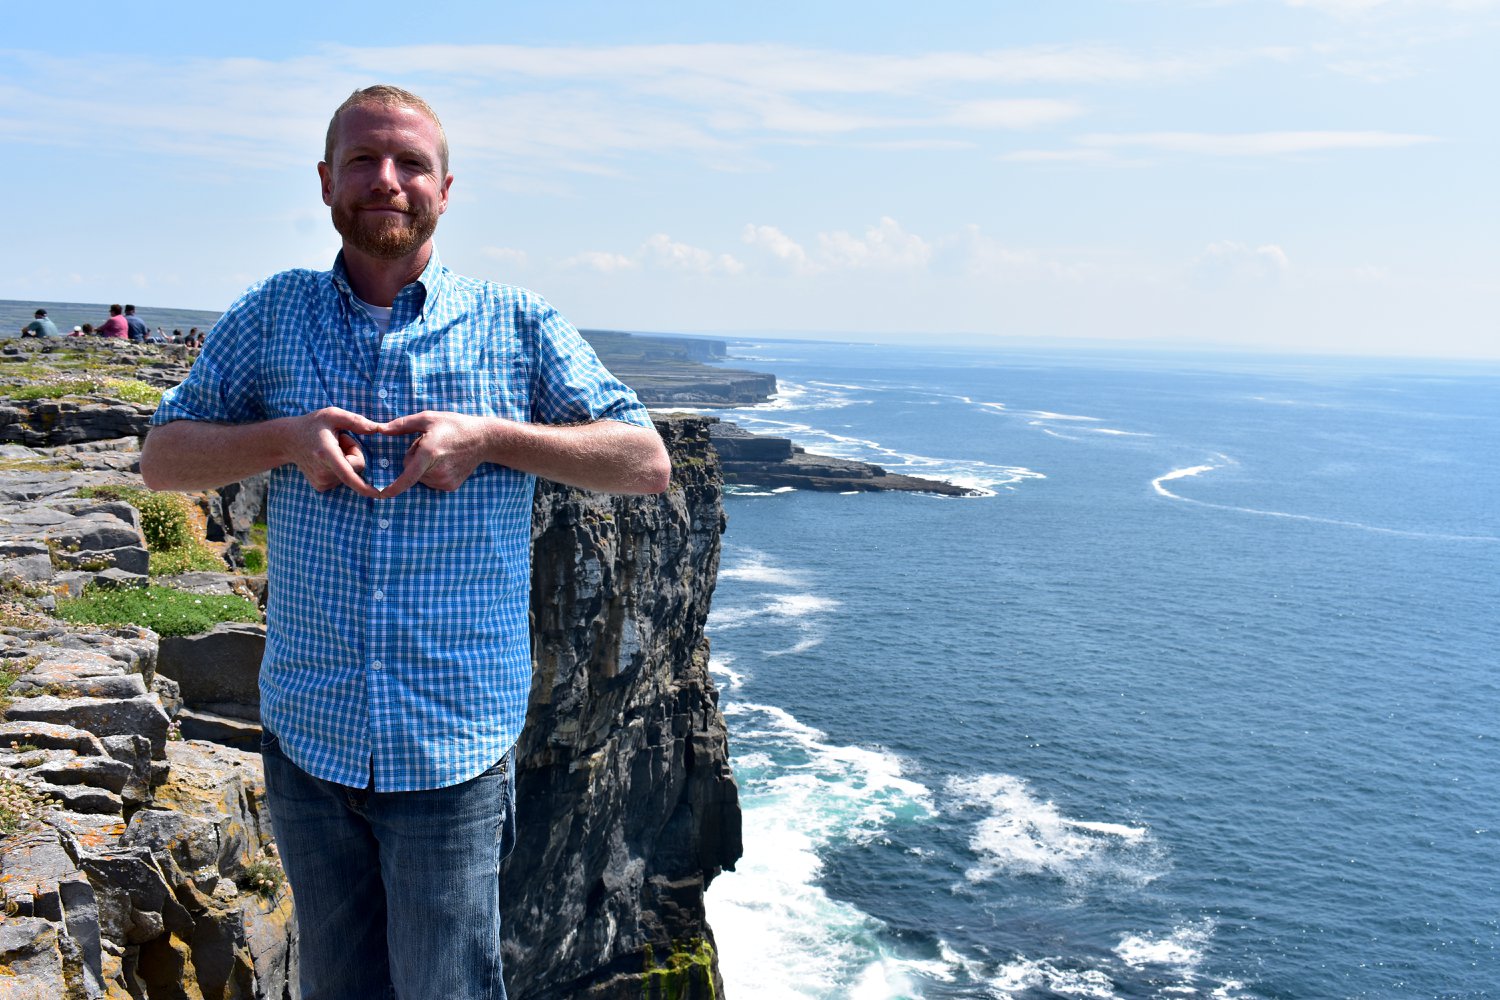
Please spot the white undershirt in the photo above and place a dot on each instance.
(380, 314)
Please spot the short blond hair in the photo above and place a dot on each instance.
(386, 96)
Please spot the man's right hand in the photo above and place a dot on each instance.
(323, 447)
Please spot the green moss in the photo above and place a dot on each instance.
(687, 973)
(255, 559)
(165, 610)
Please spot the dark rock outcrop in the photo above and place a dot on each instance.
(767, 461)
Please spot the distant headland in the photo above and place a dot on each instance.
(665, 370)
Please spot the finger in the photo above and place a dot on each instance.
(353, 453)
(412, 423)
(344, 471)
(411, 474)
(346, 420)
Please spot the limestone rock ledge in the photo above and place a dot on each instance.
(147, 880)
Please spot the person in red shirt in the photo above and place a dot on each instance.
(115, 326)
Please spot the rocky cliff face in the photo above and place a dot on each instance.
(149, 877)
(625, 797)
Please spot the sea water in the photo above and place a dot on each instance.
(1199, 699)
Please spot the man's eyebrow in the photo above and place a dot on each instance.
(356, 148)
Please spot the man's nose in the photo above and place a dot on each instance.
(386, 176)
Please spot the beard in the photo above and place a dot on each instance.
(382, 237)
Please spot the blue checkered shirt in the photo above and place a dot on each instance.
(398, 643)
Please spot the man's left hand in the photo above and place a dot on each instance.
(448, 448)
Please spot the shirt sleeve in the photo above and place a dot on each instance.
(221, 387)
(573, 386)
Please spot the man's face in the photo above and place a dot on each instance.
(386, 184)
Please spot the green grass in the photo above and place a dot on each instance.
(167, 523)
(255, 559)
(128, 389)
(164, 610)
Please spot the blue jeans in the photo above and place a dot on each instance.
(397, 893)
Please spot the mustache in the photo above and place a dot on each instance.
(400, 205)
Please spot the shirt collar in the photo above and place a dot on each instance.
(433, 279)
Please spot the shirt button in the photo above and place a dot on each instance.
(379, 595)
(385, 463)
(382, 394)
(385, 522)
(377, 665)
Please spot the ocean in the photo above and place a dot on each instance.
(1198, 700)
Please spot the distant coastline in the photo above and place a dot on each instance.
(665, 370)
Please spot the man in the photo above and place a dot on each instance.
(404, 411)
(41, 326)
(115, 326)
(135, 326)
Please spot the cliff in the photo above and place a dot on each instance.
(153, 875)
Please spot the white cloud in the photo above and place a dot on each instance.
(1056, 156)
(1356, 7)
(542, 112)
(659, 253)
(662, 251)
(780, 246)
(884, 245)
(507, 255)
(1254, 143)
(1230, 263)
(601, 261)
(1012, 113)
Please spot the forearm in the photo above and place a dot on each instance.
(608, 456)
(195, 455)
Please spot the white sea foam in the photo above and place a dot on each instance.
(1024, 835)
(780, 935)
(719, 666)
(1048, 415)
(1025, 975)
(783, 606)
(1181, 950)
(753, 566)
(1198, 470)
(800, 646)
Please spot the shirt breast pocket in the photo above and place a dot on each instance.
(458, 391)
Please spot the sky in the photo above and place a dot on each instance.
(1305, 175)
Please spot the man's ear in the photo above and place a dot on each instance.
(325, 176)
(443, 195)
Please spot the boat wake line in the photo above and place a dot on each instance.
(1198, 470)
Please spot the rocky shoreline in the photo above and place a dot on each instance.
(774, 462)
(141, 863)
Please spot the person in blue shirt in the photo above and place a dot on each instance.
(404, 412)
(135, 326)
(40, 326)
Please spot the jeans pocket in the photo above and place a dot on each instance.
(269, 741)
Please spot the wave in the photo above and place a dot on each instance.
(1024, 835)
(1198, 470)
(779, 932)
(976, 475)
(719, 666)
(785, 606)
(805, 396)
(753, 566)
(1170, 965)
(1181, 950)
